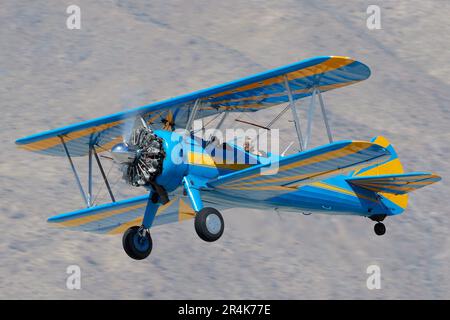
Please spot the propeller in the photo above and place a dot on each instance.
(141, 156)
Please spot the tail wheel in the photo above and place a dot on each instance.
(379, 229)
(137, 243)
(209, 224)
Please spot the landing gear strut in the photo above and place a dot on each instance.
(209, 224)
(137, 242)
(379, 227)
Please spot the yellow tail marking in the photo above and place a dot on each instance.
(382, 141)
(393, 166)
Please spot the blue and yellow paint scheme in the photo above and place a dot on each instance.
(334, 179)
(363, 178)
(248, 94)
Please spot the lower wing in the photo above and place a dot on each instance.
(116, 217)
(289, 173)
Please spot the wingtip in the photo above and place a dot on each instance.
(436, 176)
(19, 141)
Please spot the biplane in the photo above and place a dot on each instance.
(183, 179)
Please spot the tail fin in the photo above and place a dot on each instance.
(390, 166)
(388, 179)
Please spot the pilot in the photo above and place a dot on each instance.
(247, 144)
(249, 147)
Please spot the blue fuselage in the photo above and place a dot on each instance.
(333, 195)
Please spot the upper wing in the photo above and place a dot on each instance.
(396, 183)
(112, 218)
(300, 169)
(251, 93)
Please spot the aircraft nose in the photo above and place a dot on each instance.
(123, 154)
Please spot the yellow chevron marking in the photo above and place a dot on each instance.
(382, 141)
(391, 167)
(399, 199)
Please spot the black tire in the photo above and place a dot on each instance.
(136, 246)
(379, 229)
(209, 229)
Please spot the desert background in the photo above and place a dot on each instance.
(129, 53)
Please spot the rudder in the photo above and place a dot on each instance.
(390, 166)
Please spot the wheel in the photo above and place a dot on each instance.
(136, 246)
(209, 224)
(379, 229)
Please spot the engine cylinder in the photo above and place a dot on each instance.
(152, 157)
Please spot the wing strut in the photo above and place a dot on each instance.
(325, 117)
(89, 195)
(312, 106)
(192, 116)
(77, 178)
(105, 179)
(294, 113)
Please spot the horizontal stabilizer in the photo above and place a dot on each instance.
(395, 183)
(116, 217)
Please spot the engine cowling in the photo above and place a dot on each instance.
(151, 159)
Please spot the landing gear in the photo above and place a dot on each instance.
(209, 224)
(137, 243)
(379, 228)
